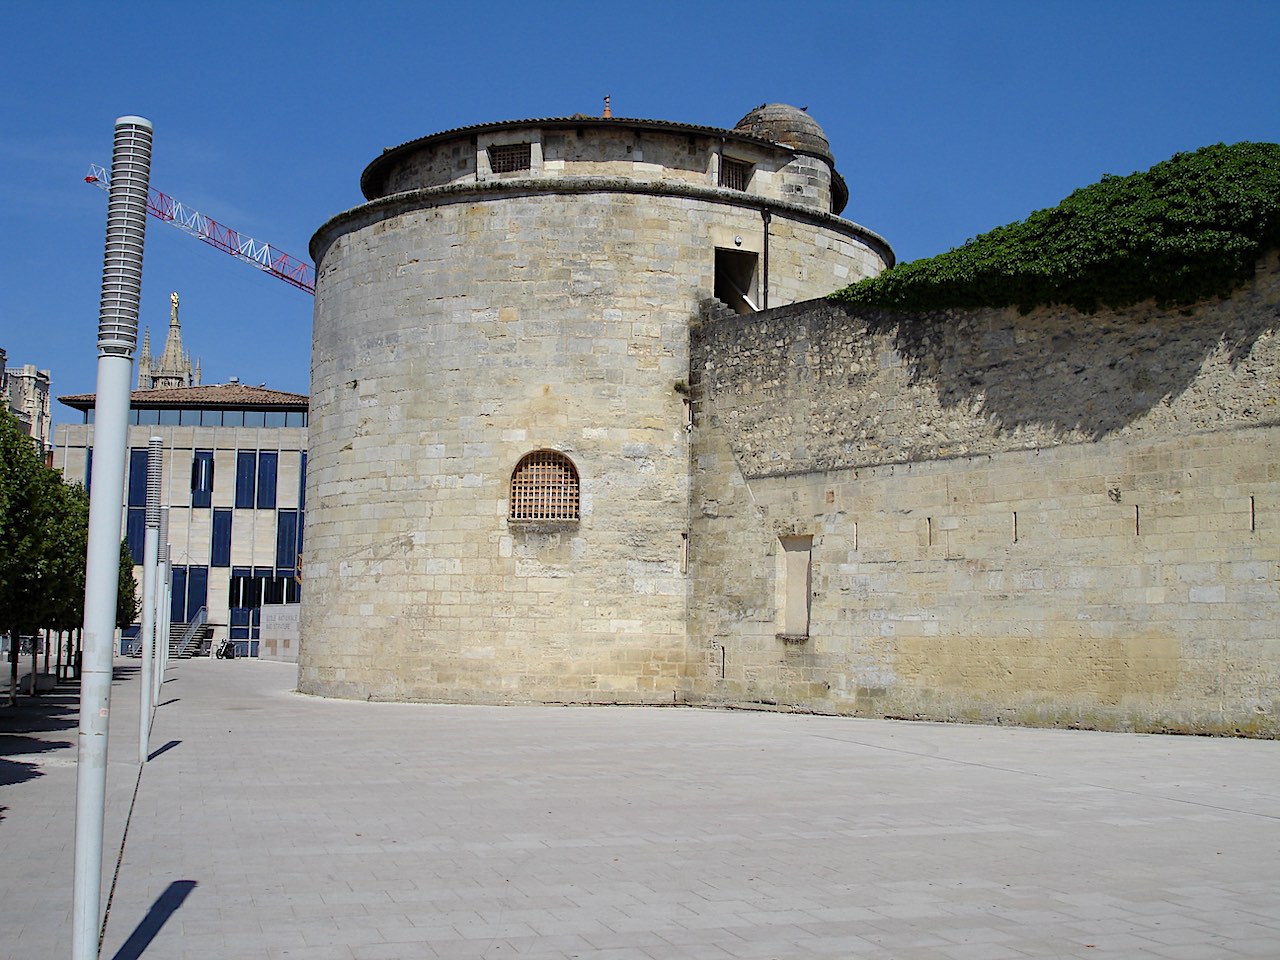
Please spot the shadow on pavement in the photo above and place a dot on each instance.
(26, 728)
(12, 772)
(166, 905)
(16, 746)
(165, 749)
(59, 710)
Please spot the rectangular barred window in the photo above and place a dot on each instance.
(544, 486)
(734, 174)
(510, 157)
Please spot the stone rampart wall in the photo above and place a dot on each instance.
(1052, 519)
(823, 385)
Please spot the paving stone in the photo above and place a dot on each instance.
(319, 829)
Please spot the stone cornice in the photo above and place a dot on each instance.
(489, 190)
(375, 171)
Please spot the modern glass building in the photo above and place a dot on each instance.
(235, 464)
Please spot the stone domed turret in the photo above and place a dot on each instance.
(783, 123)
(815, 177)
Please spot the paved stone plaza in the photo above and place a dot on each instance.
(274, 825)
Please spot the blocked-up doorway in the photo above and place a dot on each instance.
(795, 575)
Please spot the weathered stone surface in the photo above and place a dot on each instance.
(1056, 518)
(1050, 519)
(826, 385)
(460, 326)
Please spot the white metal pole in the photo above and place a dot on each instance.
(163, 604)
(151, 553)
(163, 587)
(117, 337)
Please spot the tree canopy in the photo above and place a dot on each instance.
(1189, 228)
(30, 503)
(44, 537)
(128, 603)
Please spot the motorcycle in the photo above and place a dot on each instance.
(226, 650)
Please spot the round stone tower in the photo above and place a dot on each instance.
(499, 470)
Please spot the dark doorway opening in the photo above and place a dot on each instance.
(736, 280)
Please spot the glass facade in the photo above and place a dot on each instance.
(190, 592)
(234, 471)
(202, 478)
(256, 473)
(137, 477)
(246, 478)
(178, 599)
(249, 589)
(268, 466)
(220, 549)
(181, 417)
(287, 541)
(135, 531)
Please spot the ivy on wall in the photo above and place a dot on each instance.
(1189, 228)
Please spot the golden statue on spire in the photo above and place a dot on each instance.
(172, 368)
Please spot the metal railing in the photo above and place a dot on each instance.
(195, 628)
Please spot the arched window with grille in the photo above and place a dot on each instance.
(544, 486)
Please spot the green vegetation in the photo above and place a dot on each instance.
(44, 538)
(1189, 228)
(128, 603)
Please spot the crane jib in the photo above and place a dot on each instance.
(272, 260)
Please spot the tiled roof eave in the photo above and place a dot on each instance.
(216, 397)
(220, 404)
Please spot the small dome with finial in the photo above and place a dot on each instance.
(783, 123)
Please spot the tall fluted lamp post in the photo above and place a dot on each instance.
(117, 338)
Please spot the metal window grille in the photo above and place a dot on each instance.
(734, 174)
(509, 157)
(544, 486)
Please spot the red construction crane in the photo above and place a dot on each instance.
(261, 255)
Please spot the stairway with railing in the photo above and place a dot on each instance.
(187, 643)
(186, 640)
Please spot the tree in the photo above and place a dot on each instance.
(128, 603)
(44, 537)
(1189, 228)
(28, 502)
(70, 553)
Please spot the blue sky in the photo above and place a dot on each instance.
(946, 119)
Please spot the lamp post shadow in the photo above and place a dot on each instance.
(167, 747)
(166, 905)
